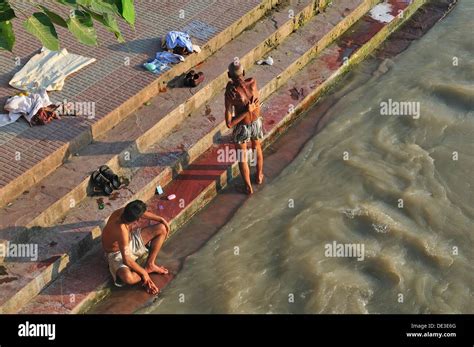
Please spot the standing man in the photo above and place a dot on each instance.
(241, 96)
(123, 246)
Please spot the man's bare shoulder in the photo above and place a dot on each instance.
(230, 86)
(118, 212)
(251, 81)
(114, 221)
(115, 216)
(251, 84)
(230, 90)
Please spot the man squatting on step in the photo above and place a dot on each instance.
(242, 95)
(123, 246)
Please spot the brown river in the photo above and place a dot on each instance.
(375, 215)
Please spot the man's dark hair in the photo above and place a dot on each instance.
(133, 211)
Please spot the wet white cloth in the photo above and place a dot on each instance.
(382, 13)
(27, 106)
(48, 70)
(137, 250)
(268, 61)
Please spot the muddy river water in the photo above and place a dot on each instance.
(376, 214)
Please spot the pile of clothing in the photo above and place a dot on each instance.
(176, 45)
(161, 61)
(180, 43)
(45, 71)
(36, 108)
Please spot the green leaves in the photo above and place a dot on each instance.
(81, 26)
(55, 18)
(128, 11)
(6, 12)
(109, 22)
(43, 29)
(104, 6)
(7, 37)
(80, 23)
(84, 2)
(70, 3)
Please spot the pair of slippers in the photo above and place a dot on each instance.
(193, 79)
(104, 180)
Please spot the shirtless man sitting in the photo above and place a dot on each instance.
(241, 96)
(124, 246)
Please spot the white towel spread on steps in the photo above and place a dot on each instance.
(47, 70)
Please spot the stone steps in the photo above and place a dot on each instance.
(199, 182)
(28, 220)
(66, 187)
(206, 126)
(43, 149)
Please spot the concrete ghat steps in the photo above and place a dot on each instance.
(199, 182)
(115, 114)
(64, 189)
(206, 126)
(67, 186)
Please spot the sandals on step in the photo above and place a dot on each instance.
(111, 176)
(193, 79)
(101, 183)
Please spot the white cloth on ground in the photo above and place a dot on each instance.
(24, 105)
(48, 69)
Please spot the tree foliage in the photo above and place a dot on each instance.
(83, 14)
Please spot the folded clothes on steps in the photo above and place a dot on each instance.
(179, 43)
(156, 67)
(162, 61)
(168, 57)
